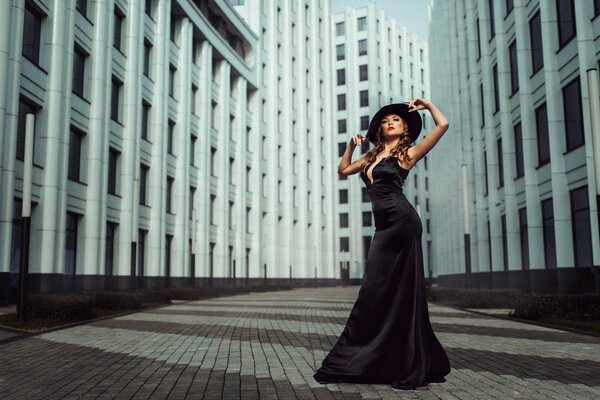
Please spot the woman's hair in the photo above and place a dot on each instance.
(401, 148)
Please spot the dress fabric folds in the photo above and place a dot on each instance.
(388, 336)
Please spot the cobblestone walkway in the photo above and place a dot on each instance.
(267, 346)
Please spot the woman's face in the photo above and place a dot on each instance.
(392, 125)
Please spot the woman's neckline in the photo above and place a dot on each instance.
(383, 159)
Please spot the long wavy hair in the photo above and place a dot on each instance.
(401, 147)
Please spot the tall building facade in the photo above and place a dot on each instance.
(513, 77)
(154, 158)
(294, 63)
(376, 62)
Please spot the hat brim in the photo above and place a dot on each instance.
(413, 119)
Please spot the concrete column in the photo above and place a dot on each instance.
(53, 141)
(159, 126)
(586, 50)
(132, 107)
(203, 202)
(181, 186)
(11, 20)
(508, 201)
(530, 142)
(556, 133)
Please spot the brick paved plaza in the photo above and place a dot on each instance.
(267, 346)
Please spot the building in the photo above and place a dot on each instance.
(294, 62)
(153, 126)
(376, 62)
(514, 83)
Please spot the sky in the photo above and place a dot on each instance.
(409, 13)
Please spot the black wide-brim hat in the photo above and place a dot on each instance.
(413, 119)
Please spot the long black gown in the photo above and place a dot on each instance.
(388, 337)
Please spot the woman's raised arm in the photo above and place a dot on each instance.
(347, 167)
(419, 150)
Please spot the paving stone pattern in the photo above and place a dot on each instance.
(268, 345)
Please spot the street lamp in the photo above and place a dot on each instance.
(467, 240)
(26, 217)
(592, 75)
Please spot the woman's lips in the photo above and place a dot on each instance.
(390, 128)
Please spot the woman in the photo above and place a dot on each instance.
(388, 337)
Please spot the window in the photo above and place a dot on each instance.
(365, 196)
(341, 76)
(147, 54)
(364, 124)
(173, 29)
(109, 259)
(514, 71)
(193, 141)
(582, 231)
(478, 40)
(148, 8)
(485, 193)
(340, 29)
(509, 6)
(524, 238)
(500, 164)
(141, 250)
(363, 73)
(170, 137)
(565, 13)
(543, 142)
(364, 98)
(361, 24)
(482, 110)
(75, 140)
(364, 147)
(25, 108)
(79, 57)
(366, 218)
(342, 126)
(118, 29)
(341, 102)
(32, 28)
(113, 160)
(596, 7)
(143, 184)
(520, 169)
(340, 52)
(115, 105)
(145, 120)
(81, 6)
(362, 47)
(548, 228)
(492, 25)
(535, 34)
(343, 196)
(168, 242)
(343, 220)
(172, 70)
(573, 114)
(213, 218)
(71, 243)
(504, 243)
(344, 244)
(496, 89)
(341, 148)
(169, 195)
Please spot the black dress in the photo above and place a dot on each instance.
(388, 337)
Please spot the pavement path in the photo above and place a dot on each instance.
(267, 345)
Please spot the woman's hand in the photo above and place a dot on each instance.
(418, 104)
(358, 139)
